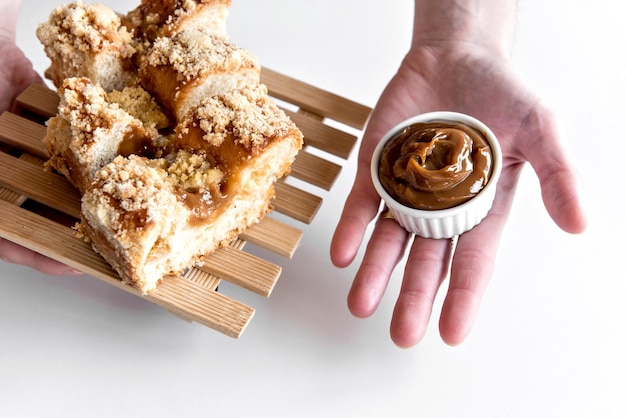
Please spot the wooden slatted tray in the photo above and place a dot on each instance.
(38, 208)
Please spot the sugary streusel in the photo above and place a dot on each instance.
(86, 107)
(132, 183)
(152, 19)
(86, 28)
(193, 172)
(140, 104)
(248, 115)
(193, 53)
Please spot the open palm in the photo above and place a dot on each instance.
(484, 86)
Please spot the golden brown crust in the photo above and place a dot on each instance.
(153, 18)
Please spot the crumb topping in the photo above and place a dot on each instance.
(194, 172)
(133, 184)
(154, 18)
(139, 187)
(85, 28)
(86, 107)
(141, 105)
(248, 115)
(192, 53)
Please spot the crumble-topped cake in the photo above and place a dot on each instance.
(175, 154)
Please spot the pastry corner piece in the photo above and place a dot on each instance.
(90, 129)
(150, 218)
(129, 216)
(163, 18)
(87, 40)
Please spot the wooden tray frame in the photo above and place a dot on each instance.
(38, 208)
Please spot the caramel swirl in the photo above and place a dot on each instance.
(435, 165)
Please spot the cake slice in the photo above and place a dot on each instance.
(89, 131)
(153, 18)
(153, 217)
(135, 215)
(181, 70)
(88, 40)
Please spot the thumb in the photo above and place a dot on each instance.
(561, 187)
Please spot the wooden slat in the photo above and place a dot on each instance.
(237, 243)
(324, 137)
(315, 100)
(202, 278)
(209, 308)
(245, 270)
(38, 99)
(52, 240)
(296, 203)
(11, 197)
(275, 236)
(315, 170)
(206, 279)
(22, 133)
(46, 237)
(32, 159)
(44, 187)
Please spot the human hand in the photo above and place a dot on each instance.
(469, 79)
(16, 73)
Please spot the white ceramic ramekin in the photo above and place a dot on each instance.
(443, 223)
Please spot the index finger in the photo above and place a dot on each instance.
(360, 208)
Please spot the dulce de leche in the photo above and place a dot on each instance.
(435, 165)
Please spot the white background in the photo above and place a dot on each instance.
(549, 340)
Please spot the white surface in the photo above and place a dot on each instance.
(549, 339)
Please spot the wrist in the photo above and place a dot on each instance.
(9, 11)
(455, 25)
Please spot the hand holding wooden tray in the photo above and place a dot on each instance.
(38, 208)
